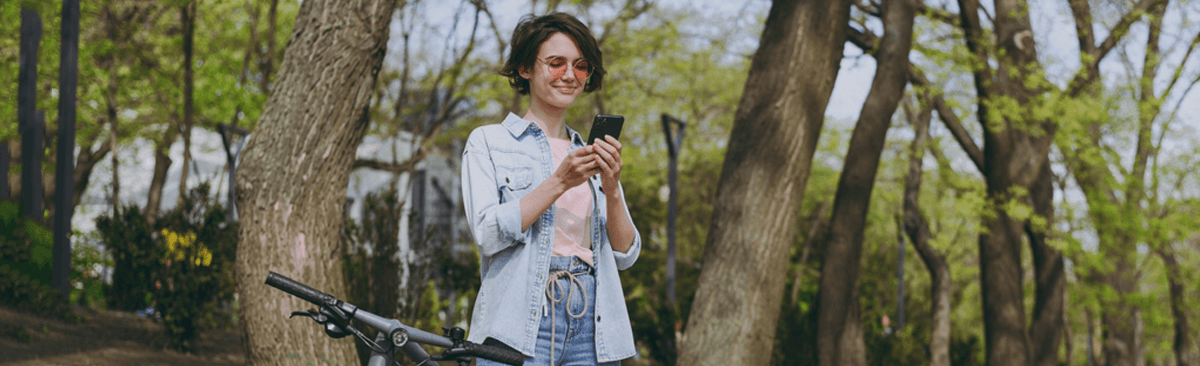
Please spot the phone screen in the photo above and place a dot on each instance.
(605, 124)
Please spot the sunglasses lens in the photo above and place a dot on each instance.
(557, 66)
(583, 69)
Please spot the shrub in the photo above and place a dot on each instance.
(87, 280)
(26, 250)
(182, 265)
(129, 239)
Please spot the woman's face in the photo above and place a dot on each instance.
(546, 89)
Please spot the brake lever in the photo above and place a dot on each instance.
(323, 317)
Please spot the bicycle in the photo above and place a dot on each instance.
(335, 315)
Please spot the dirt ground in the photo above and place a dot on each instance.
(105, 338)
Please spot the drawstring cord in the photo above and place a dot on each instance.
(553, 287)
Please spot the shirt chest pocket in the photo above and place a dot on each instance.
(514, 182)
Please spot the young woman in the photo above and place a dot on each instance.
(548, 212)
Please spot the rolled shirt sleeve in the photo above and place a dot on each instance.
(627, 259)
(496, 225)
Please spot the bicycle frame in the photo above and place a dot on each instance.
(336, 315)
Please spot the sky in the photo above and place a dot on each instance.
(1052, 22)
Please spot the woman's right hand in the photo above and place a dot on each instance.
(577, 167)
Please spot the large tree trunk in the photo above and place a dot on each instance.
(1015, 150)
(918, 233)
(295, 171)
(839, 332)
(762, 184)
(1045, 332)
(766, 167)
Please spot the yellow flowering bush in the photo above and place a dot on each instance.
(181, 265)
(184, 246)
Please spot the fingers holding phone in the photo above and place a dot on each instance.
(607, 152)
(578, 166)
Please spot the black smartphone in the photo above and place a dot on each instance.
(605, 124)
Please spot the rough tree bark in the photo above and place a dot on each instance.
(766, 167)
(1015, 149)
(1045, 331)
(839, 331)
(292, 184)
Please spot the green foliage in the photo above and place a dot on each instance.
(442, 281)
(182, 265)
(87, 278)
(25, 253)
(136, 254)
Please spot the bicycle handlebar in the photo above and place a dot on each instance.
(298, 289)
(387, 326)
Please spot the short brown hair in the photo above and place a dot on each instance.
(527, 40)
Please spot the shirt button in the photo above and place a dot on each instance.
(597, 318)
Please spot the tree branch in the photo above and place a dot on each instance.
(1082, 12)
(982, 72)
(406, 166)
(867, 41)
(952, 122)
(628, 12)
(941, 15)
(1091, 69)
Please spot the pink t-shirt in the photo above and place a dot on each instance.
(572, 229)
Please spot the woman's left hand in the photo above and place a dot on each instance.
(608, 155)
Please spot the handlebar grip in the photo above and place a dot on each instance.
(297, 289)
(494, 353)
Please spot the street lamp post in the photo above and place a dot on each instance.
(673, 145)
(234, 138)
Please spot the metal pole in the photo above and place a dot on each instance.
(64, 205)
(673, 145)
(4, 167)
(234, 138)
(900, 283)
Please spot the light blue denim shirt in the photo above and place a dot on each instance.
(501, 164)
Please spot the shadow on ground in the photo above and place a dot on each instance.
(106, 338)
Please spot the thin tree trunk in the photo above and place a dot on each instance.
(1184, 346)
(111, 115)
(1123, 345)
(839, 332)
(294, 175)
(766, 168)
(28, 122)
(919, 234)
(85, 162)
(814, 226)
(1091, 339)
(187, 16)
(267, 62)
(162, 164)
(5, 162)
